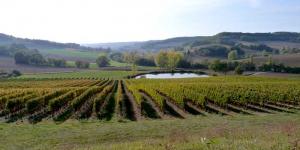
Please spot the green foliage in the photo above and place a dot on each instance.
(238, 70)
(161, 59)
(117, 56)
(101, 97)
(78, 101)
(57, 62)
(232, 55)
(13, 73)
(168, 59)
(62, 100)
(37, 103)
(13, 105)
(102, 61)
(173, 59)
(221, 90)
(16, 73)
(145, 62)
(131, 58)
(82, 64)
(210, 51)
(218, 66)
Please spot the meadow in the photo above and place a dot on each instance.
(72, 53)
(268, 132)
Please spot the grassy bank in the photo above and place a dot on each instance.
(280, 131)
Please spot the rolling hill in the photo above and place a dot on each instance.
(68, 51)
(37, 44)
(195, 48)
(275, 40)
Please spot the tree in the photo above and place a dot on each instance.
(82, 64)
(270, 60)
(36, 59)
(16, 73)
(145, 62)
(173, 59)
(232, 55)
(168, 59)
(21, 58)
(248, 66)
(218, 66)
(183, 63)
(116, 56)
(57, 62)
(251, 59)
(238, 70)
(102, 61)
(131, 58)
(161, 59)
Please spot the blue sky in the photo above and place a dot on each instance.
(90, 21)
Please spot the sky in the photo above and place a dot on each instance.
(98, 21)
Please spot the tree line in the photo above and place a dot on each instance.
(165, 59)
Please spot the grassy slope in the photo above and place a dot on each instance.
(292, 60)
(280, 131)
(72, 53)
(81, 74)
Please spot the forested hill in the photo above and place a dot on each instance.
(40, 44)
(148, 45)
(275, 40)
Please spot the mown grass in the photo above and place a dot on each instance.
(81, 55)
(90, 55)
(79, 74)
(277, 131)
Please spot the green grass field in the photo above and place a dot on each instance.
(70, 53)
(80, 74)
(270, 132)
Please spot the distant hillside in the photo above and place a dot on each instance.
(276, 40)
(39, 44)
(153, 45)
(194, 48)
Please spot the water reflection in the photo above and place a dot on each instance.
(171, 76)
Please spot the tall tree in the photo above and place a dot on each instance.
(270, 60)
(21, 58)
(102, 61)
(173, 59)
(131, 58)
(232, 55)
(168, 59)
(82, 64)
(219, 66)
(161, 59)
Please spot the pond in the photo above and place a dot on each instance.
(171, 75)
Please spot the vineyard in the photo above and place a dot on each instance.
(137, 99)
